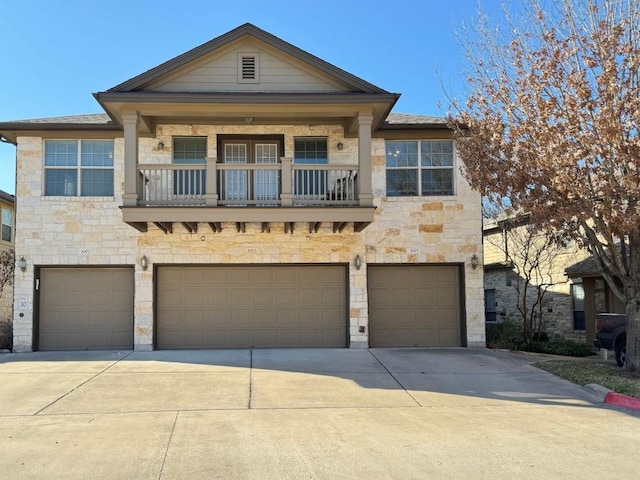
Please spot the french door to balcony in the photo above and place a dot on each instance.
(254, 184)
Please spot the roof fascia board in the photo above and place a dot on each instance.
(243, 98)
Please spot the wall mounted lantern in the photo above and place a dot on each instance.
(357, 262)
(144, 262)
(474, 261)
(22, 264)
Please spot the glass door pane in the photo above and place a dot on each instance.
(235, 181)
(266, 183)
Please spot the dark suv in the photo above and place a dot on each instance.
(611, 333)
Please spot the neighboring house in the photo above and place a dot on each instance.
(506, 244)
(244, 194)
(7, 215)
(598, 296)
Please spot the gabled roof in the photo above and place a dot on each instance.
(139, 81)
(90, 122)
(404, 121)
(86, 119)
(586, 268)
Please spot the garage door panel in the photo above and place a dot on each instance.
(193, 319)
(217, 297)
(100, 321)
(286, 275)
(240, 295)
(241, 318)
(265, 306)
(195, 297)
(263, 296)
(332, 295)
(309, 276)
(263, 276)
(286, 318)
(239, 276)
(209, 276)
(414, 305)
(332, 317)
(332, 275)
(286, 295)
(85, 308)
(307, 296)
(219, 317)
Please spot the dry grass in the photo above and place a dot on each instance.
(603, 373)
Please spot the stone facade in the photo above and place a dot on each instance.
(89, 231)
(6, 298)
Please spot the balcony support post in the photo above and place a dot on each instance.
(364, 160)
(130, 122)
(286, 196)
(211, 197)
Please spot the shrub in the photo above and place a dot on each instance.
(6, 336)
(563, 347)
(506, 334)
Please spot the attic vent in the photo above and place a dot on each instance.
(248, 67)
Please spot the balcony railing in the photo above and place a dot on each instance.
(242, 185)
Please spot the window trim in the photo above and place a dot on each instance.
(10, 225)
(488, 308)
(78, 167)
(419, 168)
(187, 183)
(311, 184)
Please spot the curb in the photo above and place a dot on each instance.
(620, 400)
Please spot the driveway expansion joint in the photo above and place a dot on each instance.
(166, 452)
(82, 384)
(394, 378)
(250, 379)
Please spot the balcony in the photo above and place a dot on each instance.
(215, 193)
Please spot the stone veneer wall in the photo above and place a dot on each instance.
(557, 303)
(557, 311)
(6, 303)
(6, 297)
(90, 231)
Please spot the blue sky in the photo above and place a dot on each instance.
(56, 53)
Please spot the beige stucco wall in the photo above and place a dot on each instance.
(90, 231)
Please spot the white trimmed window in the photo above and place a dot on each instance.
(189, 151)
(7, 225)
(419, 168)
(78, 168)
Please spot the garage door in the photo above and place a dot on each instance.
(247, 306)
(414, 306)
(85, 309)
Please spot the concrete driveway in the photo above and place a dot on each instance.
(326, 414)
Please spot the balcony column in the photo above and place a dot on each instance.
(130, 122)
(211, 197)
(286, 196)
(364, 160)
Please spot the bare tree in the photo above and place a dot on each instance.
(7, 267)
(532, 255)
(551, 124)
